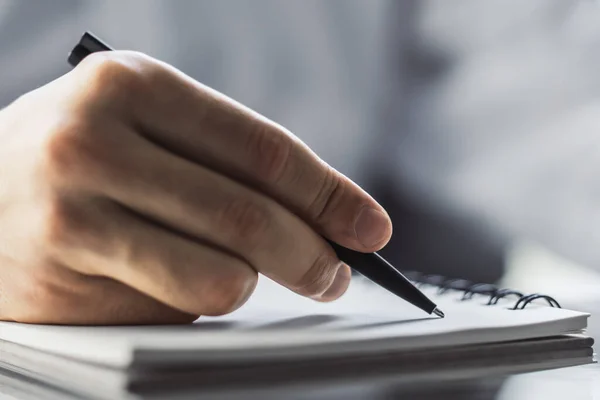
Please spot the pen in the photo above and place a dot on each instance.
(370, 265)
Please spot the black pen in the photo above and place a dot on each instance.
(370, 265)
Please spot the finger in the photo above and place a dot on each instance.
(54, 294)
(206, 127)
(198, 202)
(104, 301)
(108, 241)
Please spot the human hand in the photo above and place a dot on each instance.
(130, 194)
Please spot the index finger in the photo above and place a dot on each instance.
(208, 128)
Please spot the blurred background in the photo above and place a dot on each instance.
(475, 123)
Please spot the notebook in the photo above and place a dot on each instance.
(291, 336)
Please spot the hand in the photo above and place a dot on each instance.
(131, 194)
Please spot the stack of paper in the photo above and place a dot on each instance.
(280, 337)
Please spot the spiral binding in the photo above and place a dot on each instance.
(470, 289)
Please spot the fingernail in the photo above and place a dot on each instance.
(339, 285)
(371, 227)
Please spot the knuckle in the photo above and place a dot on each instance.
(65, 150)
(244, 222)
(229, 293)
(62, 227)
(317, 279)
(328, 197)
(112, 76)
(73, 155)
(269, 151)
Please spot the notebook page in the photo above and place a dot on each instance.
(278, 323)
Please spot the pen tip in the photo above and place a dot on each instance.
(439, 313)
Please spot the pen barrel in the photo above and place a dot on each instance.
(375, 268)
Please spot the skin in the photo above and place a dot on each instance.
(132, 194)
